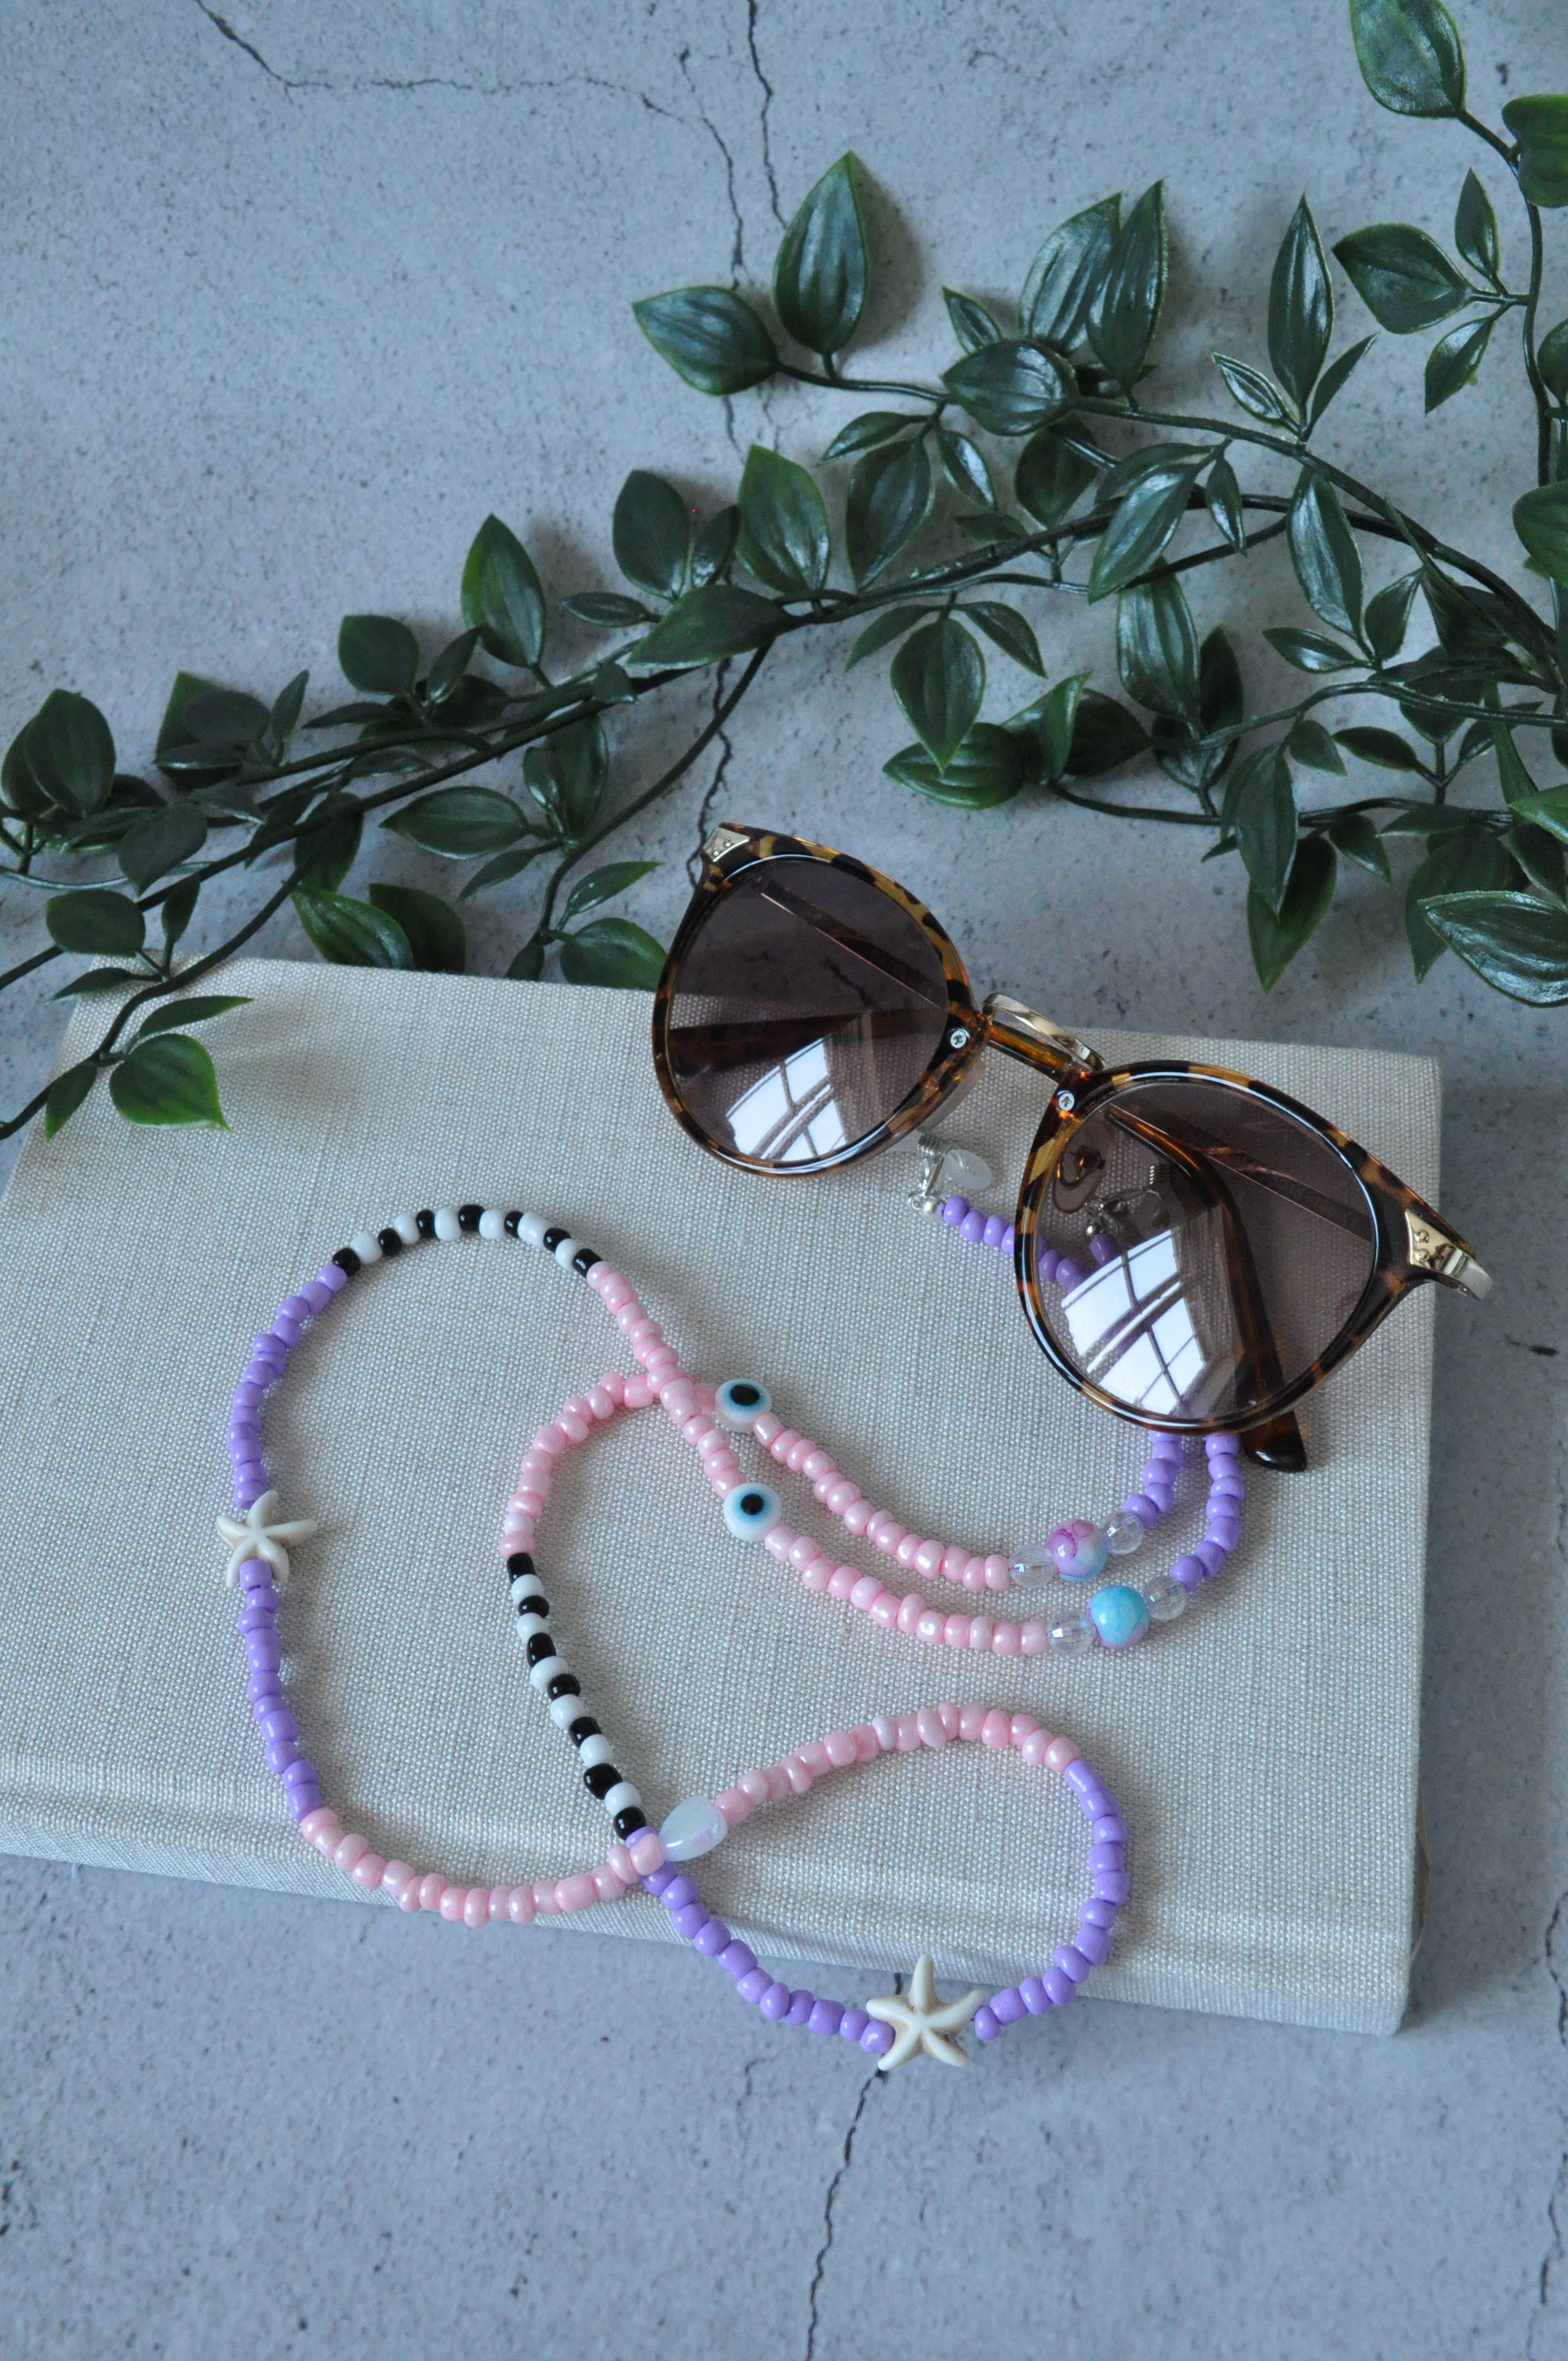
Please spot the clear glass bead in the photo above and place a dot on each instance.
(964, 1170)
(1070, 1635)
(1165, 1600)
(1124, 1533)
(1032, 1563)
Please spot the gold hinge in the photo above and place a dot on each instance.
(723, 840)
(1432, 1250)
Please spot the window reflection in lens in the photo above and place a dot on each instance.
(807, 1008)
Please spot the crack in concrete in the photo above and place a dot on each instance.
(1554, 2215)
(227, 30)
(830, 2202)
(738, 243)
(769, 174)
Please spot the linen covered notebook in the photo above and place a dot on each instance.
(1264, 1748)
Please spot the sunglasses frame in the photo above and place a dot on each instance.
(1414, 1244)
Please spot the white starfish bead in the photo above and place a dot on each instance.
(260, 1533)
(922, 2024)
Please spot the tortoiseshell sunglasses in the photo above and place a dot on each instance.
(1194, 1250)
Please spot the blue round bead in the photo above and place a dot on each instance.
(1120, 1614)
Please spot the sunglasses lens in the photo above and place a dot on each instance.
(1198, 1249)
(805, 1009)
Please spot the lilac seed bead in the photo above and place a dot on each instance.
(1033, 1996)
(246, 1494)
(1069, 1274)
(1009, 1239)
(775, 2002)
(689, 1921)
(985, 2024)
(256, 1619)
(287, 1328)
(333, 1277)
(1222, 1447)
(679, 1895)
(877, 2039)
(1101, 1248)
(709, 1940)
(280, 1752)
(1007, 2005)
(995, 1229)
(827, 2016)
(254, 1573)
(1110, 1828)
(1110, 1885)
(954, 1210)
(302, 1773)
(1189, 1572)
(801, 2004)
(737, 1960)
(259, 1683)
(1227, 1488)
(263, 1652)
(1071, 1961)
(1210, 1557)
(314, 1297)
(1059, 1989)
(1080, 1776)
(1107, 1856)
(1097, 1912)
(270, 1701)
(1094, 1942)
(853, 2022)
(753, 1985)
(659, 1881)
(246, 1395)
(1139, 1505)
(972, 1228)
(282, 1724)
(298, 1307)
(302, 1800)
(1167, 1446)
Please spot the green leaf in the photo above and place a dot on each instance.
(1541, 127)
(889, 500)
(784, 540)
(1048, 731)
(1050, 476)
(287, 708)
(1519, 789)
(349, 933)
(66, 1093)
(1126, 309)
(94, 980)
(502, 600)
(1156, 647)
(1308, 651)
(1104, 736)
(1300, 308)
(1007, 629)
(1277, 935)
(606, 609)
(1354, 835)
(1382, 748)
(95, 920)
(1541, 521)
(820, 276)
(176, 910)
(613, 950)
(1402, 276)
(1309, 742)
(447, 673)
(328, 844)
(652, 534)
(870, 431)
(151, 848)
(713, 546)
(1196, 757)
(1433, 821)
(717, 620)
(1066, 275)
(19, 790)
(164, 1016)
(1455, 359)
(1464, 860)
(69, 752)
(1548, 811)
(1223, 494)
(459, 823)
(1260, 804)
(438, 944)
(1410, 55)
(938, 678)
(1336, 377)
(1145, 520)
(505, 866)
(988, 769)
(226, 718)
(891, 624)
(378, 654)
(528, 963)
(604, 883)
(965, 468)
(994, 527)
(1009, 388)
(708, 336)
(1551, 359)
(1516, 942)
(169, 1080)
(972, 324)
(1255, 393)
(1541, 855)
(1387, 616)
(1327, 562)
(1475, 229)
(567, 775)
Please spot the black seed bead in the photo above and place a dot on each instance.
(519, 1562)
(468, 1217)
(539, 1645)
(511, 1224)
(584, 1260)
(425, 1222)
(563, 1684)
(584, 1727)
(389, 1241)
(553, 1238)
(535, 1603)
(347, 1261)
(627, 1822)
(601, 1779)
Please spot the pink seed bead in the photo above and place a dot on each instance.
(998, 1573)
(322, 1822)
(408, 1899)
(949, 1717)
(858, 1516)
(348, 1849)
(710, 1438)
(980, 1631)
(1059, 1753)
(931, 1626)
(868, 1746)
(842, 1580)
(520, 1906)
(866, 1592)
(798, 1773)
(498, 1897)
(928, 1558)
(1036, 1749)
(842, 1495)
(996, 1730)
(1034, 1639)
(783, 1443)
(884, 1611)
(840, 1748)
(451, 1903)
(397, 1878)
(698, 1425)
(528, 1503)
(805, 1550)
(614, 1385)
(477, 1907)
(911, 1608)
(535, 1468)
(818, 1574)
(607, 1885)
(545, 1903)
(735, 1804)
(954, 1560)
(1007, 1640)
(815, 1757)
(574, 1428)
(886, 1734)
(907, 1727)
(661, 1362)
(753, 1785)
(724, 1473)
(1024, 1727)
(647, 1851)
(599, 1402)
(956, 1630)
(801, 1450)
(580, 1407)
(972, 1721)
(549, 1441)
(822, 1484)
(368, 1870)
(816, 1464)
(929, 1724)
(888, 1538)
(908, 1550)
(766, 1427)
(974, 1574)
(640, 1330)
(778, 1780)
(780, 1541)
(621, 1862)
(575, 1892)
(639, 1394)
(430, 1889)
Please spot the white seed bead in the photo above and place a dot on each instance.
(545, 1670)
(565, 1710)
(491, 1224)
(525, 1585)
(366, 1246)
(407, 1228)
(594, 1749)
(529, 1623)
(532, 1229)
(566, 1250)
(622, 1798)
(447, 1226)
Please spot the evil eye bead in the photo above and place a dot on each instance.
(750, 1511)
(740, 1402)
(1120, 1614)
(1079, 1549)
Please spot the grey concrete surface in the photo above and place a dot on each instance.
(294, 296)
